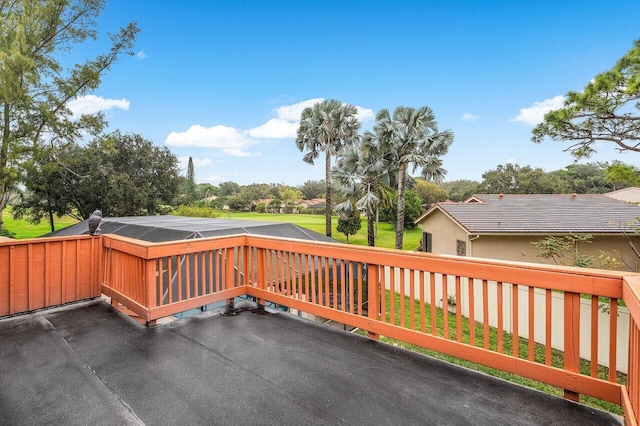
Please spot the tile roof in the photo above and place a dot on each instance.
(541, 214)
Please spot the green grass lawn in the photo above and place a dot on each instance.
(25, 229)
(386, 233)
(557, 357)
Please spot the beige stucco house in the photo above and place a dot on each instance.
(500, 226)
(630, 194)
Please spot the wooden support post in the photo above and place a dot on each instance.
(150, 280)
(229, 269)
(373, 289)
(12, 274)
(262, 271)
(571, 339)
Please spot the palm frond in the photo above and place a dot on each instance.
(343, 208)
(368, 202)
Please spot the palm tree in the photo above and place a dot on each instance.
(363, 168)
(328, 127)
(412, 137)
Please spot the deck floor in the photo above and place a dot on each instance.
(89, 364)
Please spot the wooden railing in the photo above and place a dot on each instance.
(156, 280)
(631, 392)
(504, 316)
(390, 275)
(40, 273)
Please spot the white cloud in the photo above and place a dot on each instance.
(286, 124)
(197, 162)
(235, 142)
(229, 140)
(469, 117)
(365, 114)
(91, 104)
(535, 114)
(201, 162)
(288, 119)
(141, 55)
(276, 128)
(293, 112)
(215, 178)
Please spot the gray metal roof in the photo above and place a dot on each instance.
(173, 228)
(541, 214)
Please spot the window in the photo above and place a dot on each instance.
(461, 248)
(426, 242)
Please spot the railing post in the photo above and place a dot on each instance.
(105, 263)
(572, 339)
(262, 271)
(373, 296)
(229, 279)
(245, 265)
(12, 279)
(631, 393)
(151, 287)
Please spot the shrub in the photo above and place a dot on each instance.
(194, 211)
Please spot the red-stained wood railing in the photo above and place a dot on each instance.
(631, 392)
(156, 280)
(385, 292)
(324, 279)
(45, 272)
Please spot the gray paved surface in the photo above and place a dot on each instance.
(91, 365)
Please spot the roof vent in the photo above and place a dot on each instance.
(573, 196)
(500, 196)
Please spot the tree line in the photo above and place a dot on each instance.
(589, 178)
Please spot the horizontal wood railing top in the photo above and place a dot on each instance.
(148, 250)
(579, 280)
(631, 296)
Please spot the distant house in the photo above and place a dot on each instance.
(497, 226)
(630, 195)
(314, 203)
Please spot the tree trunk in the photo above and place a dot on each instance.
(3, 204)
(53, 227)
(4, 157)
(402, 172)
(327, 209)
(371, 239)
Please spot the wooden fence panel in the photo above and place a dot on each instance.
(41, 273)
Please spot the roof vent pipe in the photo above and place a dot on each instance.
(573, 196)
(500, 196)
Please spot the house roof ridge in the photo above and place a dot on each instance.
(540, 213)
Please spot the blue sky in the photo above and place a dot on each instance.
(225, 81)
